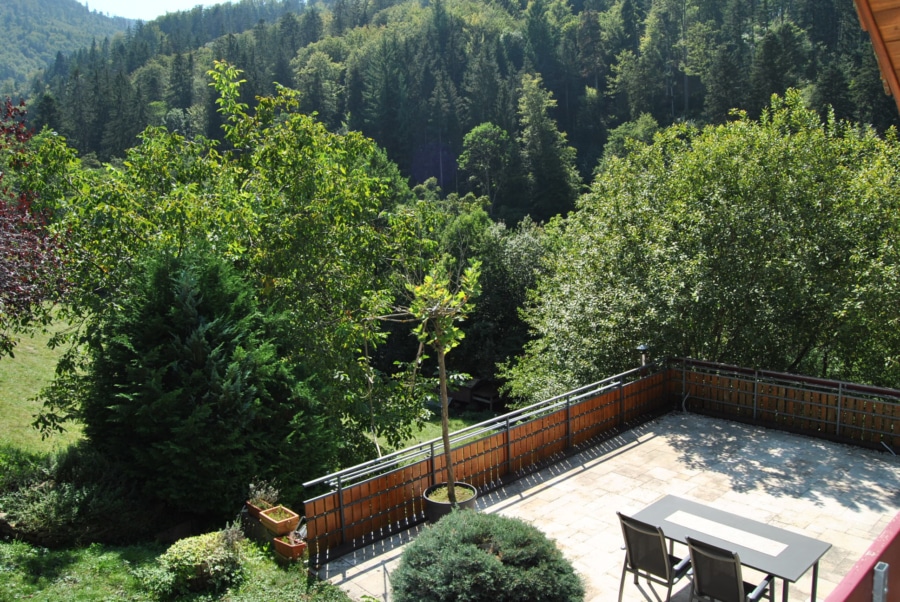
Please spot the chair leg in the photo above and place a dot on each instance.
(622, 581)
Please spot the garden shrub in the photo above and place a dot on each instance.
(72, 497)
(189, 390)
(473, 557)
(204, 563)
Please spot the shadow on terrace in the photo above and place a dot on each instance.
(569, 465)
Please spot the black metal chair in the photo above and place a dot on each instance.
(646, 556)
(717, 576)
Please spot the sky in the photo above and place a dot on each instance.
(146, 10)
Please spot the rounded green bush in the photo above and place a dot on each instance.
(208, 562)
(472, 557)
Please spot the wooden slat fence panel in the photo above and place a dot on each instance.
(322, 524)
(833, 410)
(594, 416)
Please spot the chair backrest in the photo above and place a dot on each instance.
(717, 572)
(645, 547)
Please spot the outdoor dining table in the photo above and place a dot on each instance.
(772, 550)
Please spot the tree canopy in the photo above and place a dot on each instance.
(762, 243)
(559, 80)
(301, 214)
(32, 276)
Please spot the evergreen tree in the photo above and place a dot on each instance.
(121, 129)
(181, 82)
(310, 27)
(186, 390)
(549, 162)
(780, 63)
(46, 113)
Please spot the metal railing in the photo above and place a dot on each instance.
(380, 497)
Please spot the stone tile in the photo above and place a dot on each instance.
(837, 493)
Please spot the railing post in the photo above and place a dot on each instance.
(341, 506)
(568, 422)
(880, 582)
(621, 405)
(755, 393)
(433, 469)
(840, 407)
(508, 449)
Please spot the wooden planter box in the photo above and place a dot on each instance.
(279, 526)
(289, 550)
(253, 510)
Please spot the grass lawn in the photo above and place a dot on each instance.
(459, 419)
(21, 379)
(104, 573)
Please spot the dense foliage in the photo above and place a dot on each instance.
(484, 557)
(187, 389)
(31, 270)
(763, 244)
(547, 83)
(300, 213)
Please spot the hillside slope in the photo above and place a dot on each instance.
(35, 30)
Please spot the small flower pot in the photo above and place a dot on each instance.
(279, 520)
(288, 548)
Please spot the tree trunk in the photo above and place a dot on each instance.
(445, 426)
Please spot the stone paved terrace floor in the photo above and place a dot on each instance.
(841, 494)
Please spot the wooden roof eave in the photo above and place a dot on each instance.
(874, 22)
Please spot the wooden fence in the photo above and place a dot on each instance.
(833, 410)
(379, 498)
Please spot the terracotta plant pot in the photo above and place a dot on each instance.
(252, 509)
(292, 550)
(435, 510)
(279, 520)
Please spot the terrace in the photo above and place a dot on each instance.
(627, 442)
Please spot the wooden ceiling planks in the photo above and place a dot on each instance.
(881, 19)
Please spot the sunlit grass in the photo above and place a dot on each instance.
(103, 573)
(458, 421)
(21, 379)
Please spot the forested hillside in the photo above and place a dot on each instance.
(419, 77)
(239, 279)
(34, 31)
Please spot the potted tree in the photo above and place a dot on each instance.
(437, 305)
